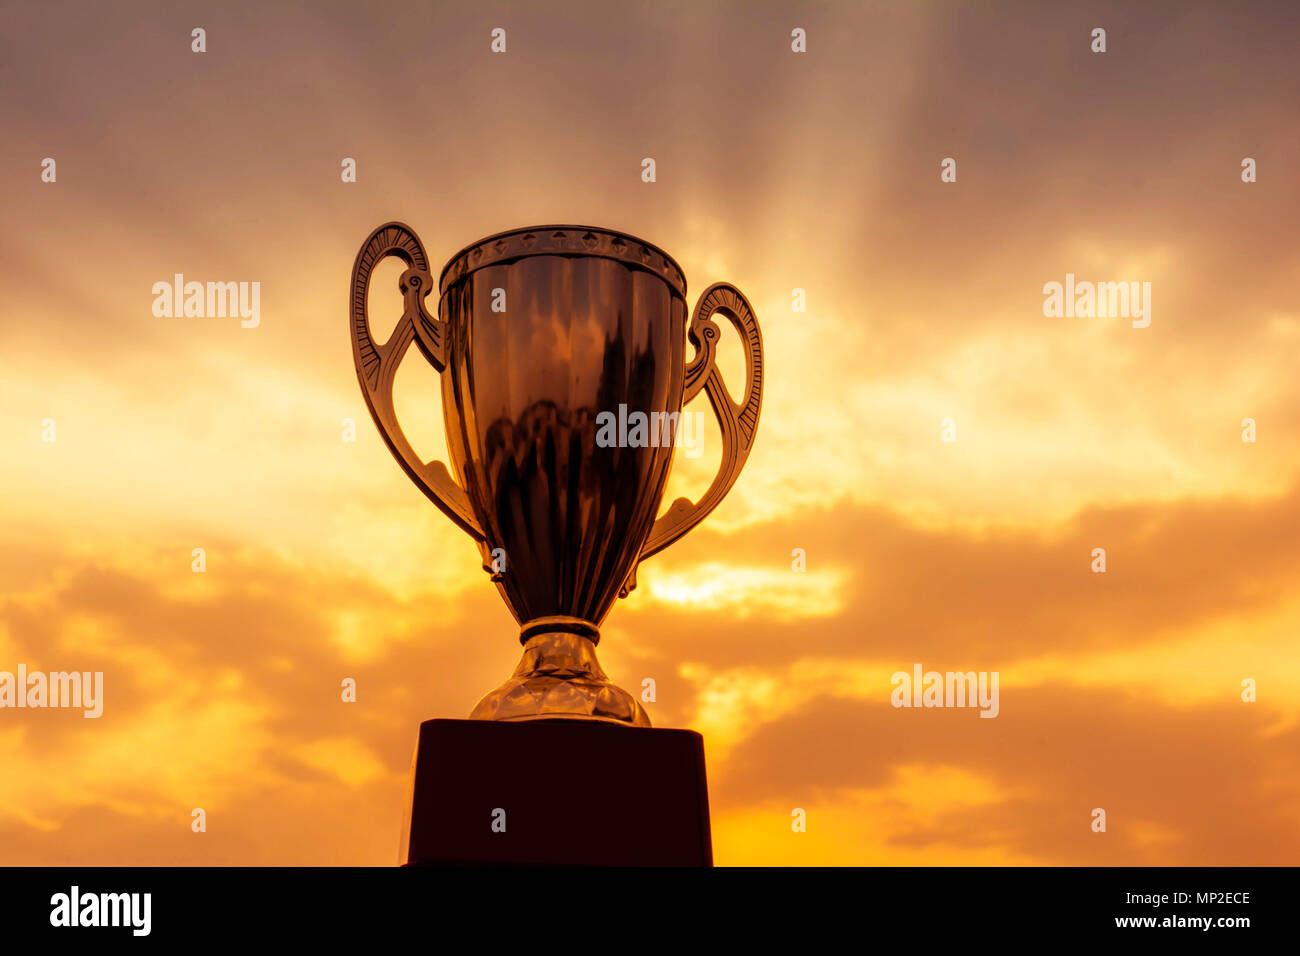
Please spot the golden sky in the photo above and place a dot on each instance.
(775, 171)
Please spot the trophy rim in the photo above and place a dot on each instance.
(609, 244)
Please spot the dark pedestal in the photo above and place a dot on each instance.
(574, 793)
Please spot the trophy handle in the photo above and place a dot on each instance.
(377, 364)
(738, 421)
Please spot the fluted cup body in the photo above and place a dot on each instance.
(548, 354)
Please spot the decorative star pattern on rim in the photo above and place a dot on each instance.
(562, 240)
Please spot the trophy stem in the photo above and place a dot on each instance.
(559, 677)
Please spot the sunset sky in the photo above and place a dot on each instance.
(775, 171)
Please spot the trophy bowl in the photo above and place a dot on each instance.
(550, 340)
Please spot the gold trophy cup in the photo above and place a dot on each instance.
(541, 335)
(538, 332)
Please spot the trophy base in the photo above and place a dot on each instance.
(556, 792)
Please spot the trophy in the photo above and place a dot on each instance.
(541, 336)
